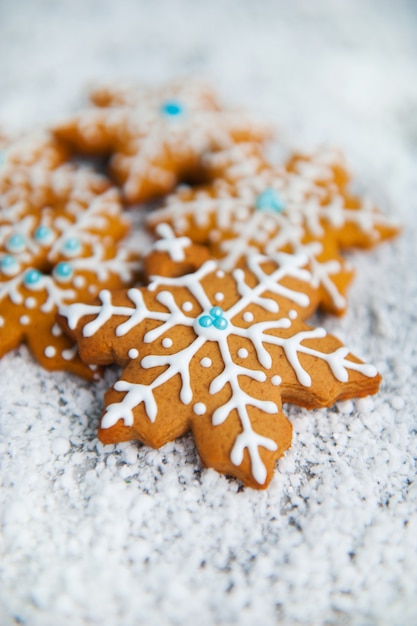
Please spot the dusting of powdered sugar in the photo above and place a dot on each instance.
(124, 534)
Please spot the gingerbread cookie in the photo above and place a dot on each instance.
(304, 207)
(216, 352)
(59, 234)
(156, 137)
(39, 150)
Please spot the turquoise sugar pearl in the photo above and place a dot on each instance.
(269, 200)
(43, 234)
(32, 277)
(215, 318)
(15, 243)
(172, 108)
(63, 271)
(9, 264)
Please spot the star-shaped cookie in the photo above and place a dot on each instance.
(303, 207)
(216, 352)
(157, 137)
(60, 228)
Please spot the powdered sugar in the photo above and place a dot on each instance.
(126, 534)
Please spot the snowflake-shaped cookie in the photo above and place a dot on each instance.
(157, 136)
(304, 207)
(216, 352)
(59, 233)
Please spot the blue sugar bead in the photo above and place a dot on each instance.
(269, 199)
(63, 270)
(220, 323)
(8, 261)
(15, 243)
(205, 321)
(32, 277)
(42, 234)
(72, 245)
(172, 108)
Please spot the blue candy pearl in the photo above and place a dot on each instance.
(32, 277)
(205, 321)
(214, 318)
(42, 234)
(71, 246)
(8, 264)
(63, 270)
(220, 323)
(216, 311)
(8, 261)
(270, 200)
(172, 108)
(15, 243)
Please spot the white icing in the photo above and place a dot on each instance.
(199, 127)
(133, 353)
(248, 316)
(187, 306)
(263, 336)
(56, 330)
(167, 342)
(219, 296)
(77, 222)
(174, 246)
(30, 303)
(313, 203)
(199, 408)
(69, 353)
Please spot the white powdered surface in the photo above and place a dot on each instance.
(125, 535)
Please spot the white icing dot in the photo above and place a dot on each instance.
(276, 380)
(219, 296)
(242, 353)
(56, 330)
(187, 306)
(205, 362)
(199, 408)
(167, 342)
(79, 282)
(93, 289)
(24, 320)
(293, 314)
(69, 354)
(1, 321)
(50, 352)
(30, 303)
(133, 353)
(220, 274)
(248, 316)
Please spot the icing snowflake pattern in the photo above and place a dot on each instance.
(157, 136)
(59, 230)
(231, 366)
(303, 209)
